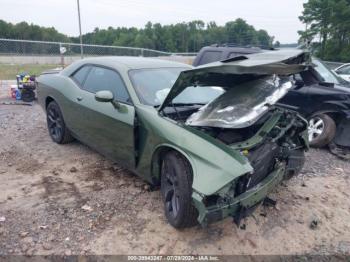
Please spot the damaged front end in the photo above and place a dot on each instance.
(241, 112)
(275, 152)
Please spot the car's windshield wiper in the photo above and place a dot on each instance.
(295, 108)
(187, 104)
(181, 104)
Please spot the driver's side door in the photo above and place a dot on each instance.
(102, 125)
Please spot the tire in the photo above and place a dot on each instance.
(58, 130)
(322, 129)
(176, 190)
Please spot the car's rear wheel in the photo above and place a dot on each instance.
(58, 130)
(322, 129)
(176, 189)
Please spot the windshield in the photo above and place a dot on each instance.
(153, 85)
(326, 74)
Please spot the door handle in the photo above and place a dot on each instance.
(79, 98)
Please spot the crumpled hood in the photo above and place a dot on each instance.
(233, 72)
(242, 106)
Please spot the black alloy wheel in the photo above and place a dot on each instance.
(56, 125)
(171, 190)
(176, 189)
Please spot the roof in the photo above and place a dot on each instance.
(123, 63)
(132, 62)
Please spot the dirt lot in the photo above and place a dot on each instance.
(70, 200)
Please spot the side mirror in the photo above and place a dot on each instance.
(104, 96)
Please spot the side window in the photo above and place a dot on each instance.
(100, 79)
(344, 70)
(80, 75)
(210, 56)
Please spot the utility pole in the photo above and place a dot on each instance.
(81, 37)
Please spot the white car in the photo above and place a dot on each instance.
(344, 72)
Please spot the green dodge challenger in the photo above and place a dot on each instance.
(214, 138)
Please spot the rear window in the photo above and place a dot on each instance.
(210, 56)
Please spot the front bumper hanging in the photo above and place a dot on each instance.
(242, 205)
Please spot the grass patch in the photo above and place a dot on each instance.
(9, 72)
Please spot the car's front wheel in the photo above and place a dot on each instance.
(322, 129)
(176, 189)
(58, 130)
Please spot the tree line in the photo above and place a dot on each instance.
(327, 28)
(180, 37)
(27, 31)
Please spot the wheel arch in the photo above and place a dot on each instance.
(48, 100)
(157, 155)
(336, 115)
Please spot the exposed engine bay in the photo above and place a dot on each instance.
(246, 118)
(274, 140)
(277, 137)
(276, 144)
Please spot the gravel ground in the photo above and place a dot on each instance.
(70, 200)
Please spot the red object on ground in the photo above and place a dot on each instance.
(13, 92)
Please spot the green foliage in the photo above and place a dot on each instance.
(180, 37)
(328, 21)
(27, 31)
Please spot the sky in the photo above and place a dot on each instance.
(278, 17)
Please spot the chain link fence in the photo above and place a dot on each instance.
(34, 57)
(29, 47)
(15, 52)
